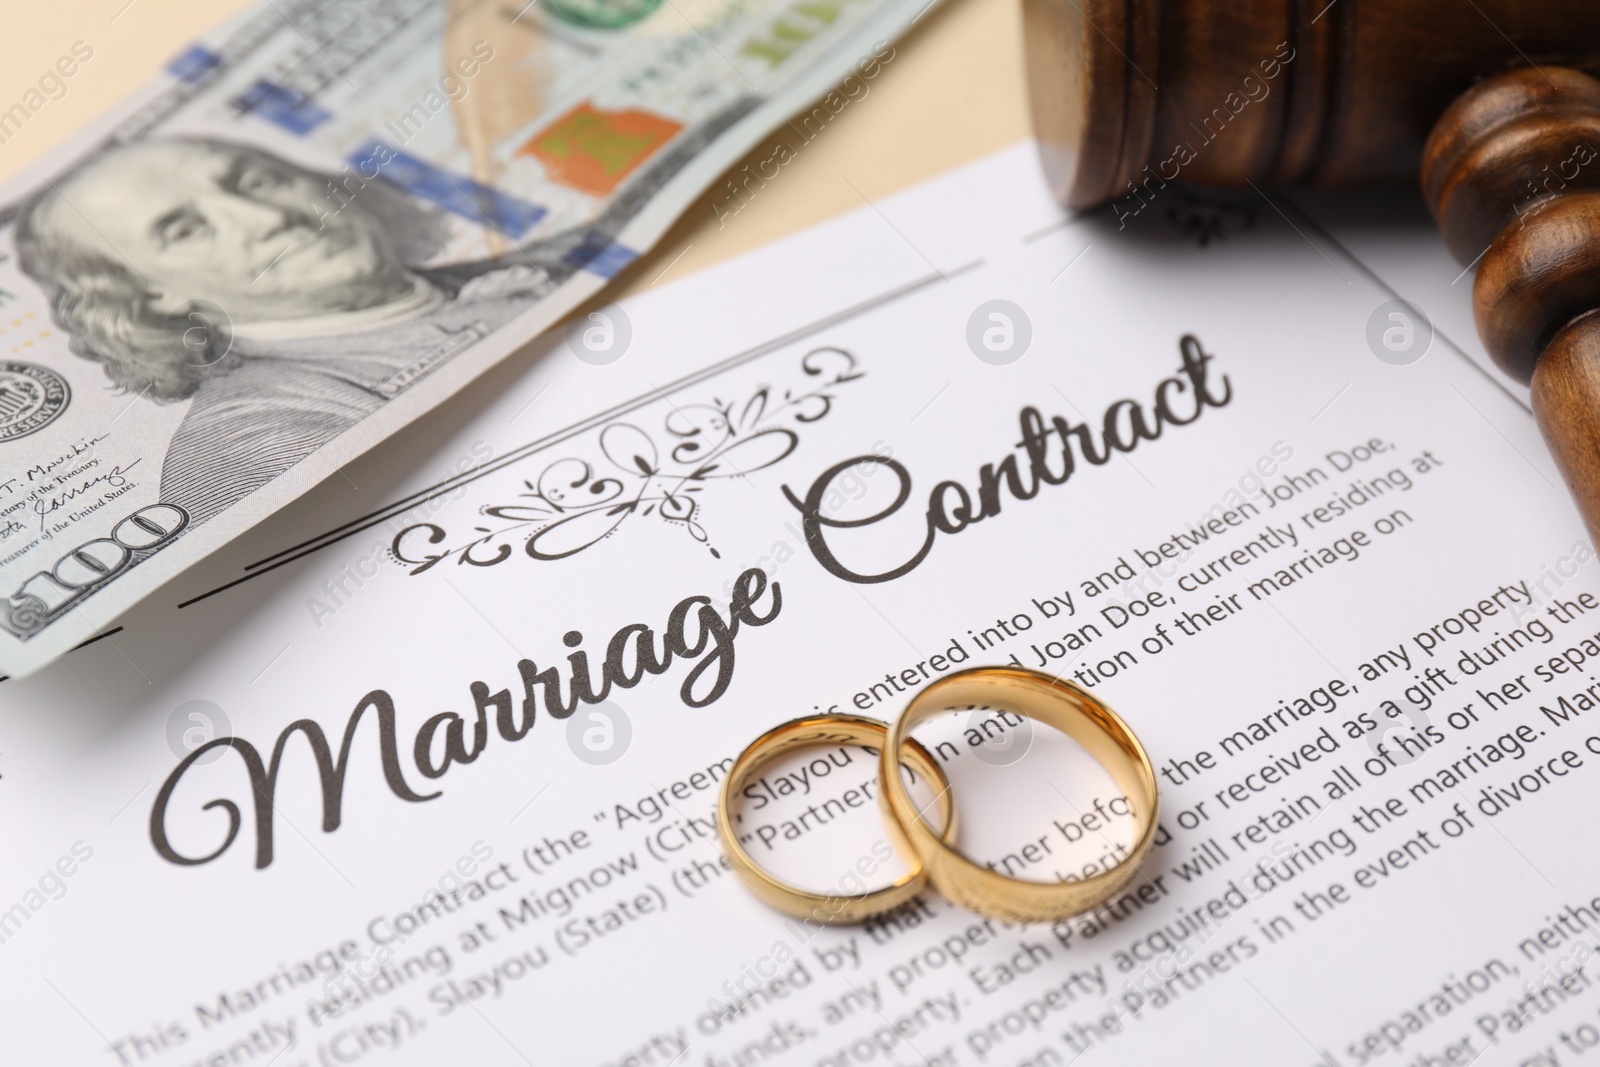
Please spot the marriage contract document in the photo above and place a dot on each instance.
(423, 771)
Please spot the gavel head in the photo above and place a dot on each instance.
(1126, 93)
(1129, 95)
(1512, 175)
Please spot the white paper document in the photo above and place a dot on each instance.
(432, 780)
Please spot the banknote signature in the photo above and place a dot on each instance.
(43, 470)
(113, 479)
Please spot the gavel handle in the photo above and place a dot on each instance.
(1511, 172)
(1566, 403)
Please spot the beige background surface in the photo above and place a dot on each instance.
(953, 92)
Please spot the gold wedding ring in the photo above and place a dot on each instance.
(830, 907)
(1055, 703)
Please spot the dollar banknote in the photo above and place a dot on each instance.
(322, 220)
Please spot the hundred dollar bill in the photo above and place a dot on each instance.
(323, 220)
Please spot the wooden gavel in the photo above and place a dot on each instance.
(1492, 101)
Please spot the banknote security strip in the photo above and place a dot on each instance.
(292, 110)
(601, 256)
(456, 193)
(194, 64)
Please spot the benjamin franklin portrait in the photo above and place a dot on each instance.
(328, 311)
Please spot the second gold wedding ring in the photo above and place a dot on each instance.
(842, 906)
(1075, 713)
